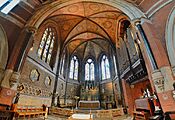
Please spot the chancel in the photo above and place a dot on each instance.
(87, 59)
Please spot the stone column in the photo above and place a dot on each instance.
(163, 82)
(160, 73)
(145, 49)
(11, 75)
(136, 24)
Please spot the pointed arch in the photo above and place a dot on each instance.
(170, 38)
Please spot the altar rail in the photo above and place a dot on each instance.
(109, 113)
(61, 111)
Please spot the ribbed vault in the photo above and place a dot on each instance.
(87, 28)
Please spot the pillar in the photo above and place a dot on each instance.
(159, 70)
(11, 75)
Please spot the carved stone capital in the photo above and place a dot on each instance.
(168, 77)
(163, 79)
(10, 79)
(135, 22)
(6, 79)
(31, 29)
(14, 80)
(158, 81)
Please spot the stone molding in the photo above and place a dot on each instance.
(156, 7)
(170, 38)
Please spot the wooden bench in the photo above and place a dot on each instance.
(6, 114)
(28, 111)
(141, 115)
(144, 109)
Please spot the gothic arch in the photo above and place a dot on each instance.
(170, 38)
(3, 48)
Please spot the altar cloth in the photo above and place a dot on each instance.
(81, 116)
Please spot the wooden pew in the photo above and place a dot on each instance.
(6, 114)
(28, 111)
(144, 108)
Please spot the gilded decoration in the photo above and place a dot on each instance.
(28, 89)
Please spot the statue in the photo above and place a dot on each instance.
(173, 92)
(16, 98)
(58, 101)
(76, 101)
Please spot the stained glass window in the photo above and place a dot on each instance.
(105, 70)
(62, 65)
(73, 73)
(115, 65)
(89, 70)
(7, 5)
(46, 45)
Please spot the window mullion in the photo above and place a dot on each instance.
(44, 45)
(49, 47)
(89, 72)
(74, 70)
(105, 67)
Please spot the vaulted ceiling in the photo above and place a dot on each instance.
(87, 28)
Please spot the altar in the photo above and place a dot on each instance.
(89, 105)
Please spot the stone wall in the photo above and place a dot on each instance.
(38, 90)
